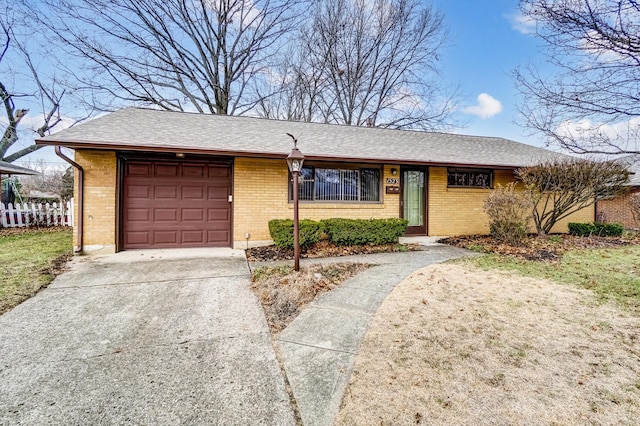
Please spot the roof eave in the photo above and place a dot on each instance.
(79, 144)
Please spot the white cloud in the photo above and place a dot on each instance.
(521, 23)
(34, 121)
(624, 134)
(487, 106)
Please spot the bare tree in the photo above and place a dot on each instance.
(48, 96)
(561, 187)
(591, 101)
(366, 62)
(184, 55)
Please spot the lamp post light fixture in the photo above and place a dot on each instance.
(295, 161)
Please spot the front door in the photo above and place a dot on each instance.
(413, 205)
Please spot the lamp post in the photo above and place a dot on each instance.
(295, 161)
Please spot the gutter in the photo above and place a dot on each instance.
(80, 212)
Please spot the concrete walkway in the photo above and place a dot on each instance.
(319, 347)
(176, 337)
(157, 337)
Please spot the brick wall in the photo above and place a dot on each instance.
(261, 194)
(617, 210)
(459, 211)
(99, 200)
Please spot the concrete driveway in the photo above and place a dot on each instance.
(157, 337)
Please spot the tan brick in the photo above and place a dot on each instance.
(459, 211)
(99, 198)
(261, 194)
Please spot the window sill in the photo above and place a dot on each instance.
(468, 188)
(337, 206)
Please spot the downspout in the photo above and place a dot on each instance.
(80, 212)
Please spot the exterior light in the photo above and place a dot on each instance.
(394, 171)
(295, 160)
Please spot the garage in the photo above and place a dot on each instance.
(167, 204)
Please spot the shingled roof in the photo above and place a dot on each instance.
(12, 169)
(163, 131)
(633, 165)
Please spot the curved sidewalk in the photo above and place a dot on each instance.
(319, 347)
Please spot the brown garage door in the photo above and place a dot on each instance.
(176, 204)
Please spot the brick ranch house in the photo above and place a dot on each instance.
(617, 210)
(156, 179)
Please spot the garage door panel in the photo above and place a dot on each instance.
(219, 172)
(138, 238)
(165, 215)
(169, 237)
(218, 215)
(167, 170)
(192, 193)
(221, 194)
(174, 204)
(217, 225)
(190, 215)
(138, 191)
(194, 171)
(138, 169)
(138, 215)
(162, 192)
(193, 237)
(215, 236)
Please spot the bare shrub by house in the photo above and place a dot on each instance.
(510, 213)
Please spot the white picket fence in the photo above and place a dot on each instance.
(35, 215)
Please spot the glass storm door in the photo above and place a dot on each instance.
(413, 203)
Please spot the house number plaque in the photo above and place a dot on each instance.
(392, 181)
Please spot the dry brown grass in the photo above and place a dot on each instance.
(456, 345)
(283, 292)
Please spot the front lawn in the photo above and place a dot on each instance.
(30, 260)
(502, 338)
(456, 344)
(612, 274)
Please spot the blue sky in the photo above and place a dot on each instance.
(486, 43)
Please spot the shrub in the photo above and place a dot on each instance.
(281, 231)
(345, 232)
(596, 228)
(510, 212)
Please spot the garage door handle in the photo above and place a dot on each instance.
(230, 198)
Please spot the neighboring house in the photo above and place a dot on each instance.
(43, 197)
(7, 193)
(157, 179)
(617, 210)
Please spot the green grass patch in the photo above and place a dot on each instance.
(612, 274)
(30, 261)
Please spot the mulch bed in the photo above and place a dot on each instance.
(324, 249)
(541, 248)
